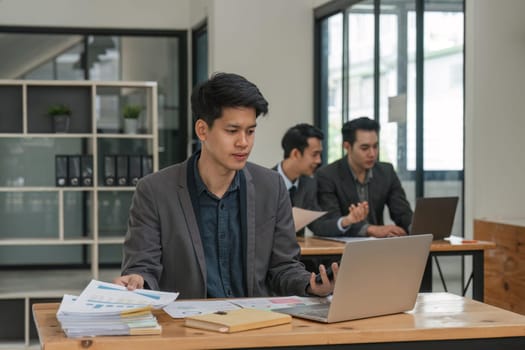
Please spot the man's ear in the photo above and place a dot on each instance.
(201, 129)
(346, 145)
(295, 153)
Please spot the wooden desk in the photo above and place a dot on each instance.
(439, 320)
(322, 248)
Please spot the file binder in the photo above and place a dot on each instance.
(135, 171)
(122, 170)
(109, 170)
(86, 166)
(61, 170)
(147, 165)
(74, 170)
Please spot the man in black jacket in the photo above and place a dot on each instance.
(358, 177)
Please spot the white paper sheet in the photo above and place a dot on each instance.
(103, 295)
(302, 217)
(181, 309)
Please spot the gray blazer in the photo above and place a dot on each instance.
(163, 242)
(337, 191)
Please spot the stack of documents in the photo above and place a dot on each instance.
(109, 309)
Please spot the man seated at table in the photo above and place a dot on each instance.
(216, 225)
(302, 146)
(359, 178)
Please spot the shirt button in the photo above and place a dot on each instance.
(222, 206)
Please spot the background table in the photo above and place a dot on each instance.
(326, 250)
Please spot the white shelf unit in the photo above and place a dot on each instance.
(96, 122)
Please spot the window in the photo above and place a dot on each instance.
(374, 55)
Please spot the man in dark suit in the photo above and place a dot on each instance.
(302, 146)
(359, 177)
(215, 225)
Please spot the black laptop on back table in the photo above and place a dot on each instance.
(434, 215)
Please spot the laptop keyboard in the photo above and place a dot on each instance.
(320, 310)
(317, 313)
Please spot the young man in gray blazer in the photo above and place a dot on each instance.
(358, 177)
(216, 225)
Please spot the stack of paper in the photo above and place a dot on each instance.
(109, 309)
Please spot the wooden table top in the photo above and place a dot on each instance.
(436, 316)
(319, 246)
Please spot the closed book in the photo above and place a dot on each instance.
(237, 320)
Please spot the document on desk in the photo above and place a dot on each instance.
(106, 296)
(302, 217)
(79, 319)
(275, 303)
(182, 309)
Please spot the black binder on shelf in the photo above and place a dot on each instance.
(86, 167)
(122, 170)
(135, 170)
(74, 170)
(61, 170)
(147, 165)
(110, 173)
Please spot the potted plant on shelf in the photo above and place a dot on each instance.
(131, 118)
(61, 115)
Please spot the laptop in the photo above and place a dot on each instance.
(434, 215)
(376, 277)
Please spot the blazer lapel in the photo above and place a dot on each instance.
(373, 188)
(347, 181)
(185, 191)
(250, 231)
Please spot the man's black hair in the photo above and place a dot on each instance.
(297, 137)
(225, 90)
(363, 123)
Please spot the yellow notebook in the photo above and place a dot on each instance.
(237, 320)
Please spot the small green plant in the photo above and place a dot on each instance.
(60, 109)
(132, 111)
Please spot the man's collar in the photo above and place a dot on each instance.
(287, 181)
(201, 186)
(369, 174)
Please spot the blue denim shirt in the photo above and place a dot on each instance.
(220, 230)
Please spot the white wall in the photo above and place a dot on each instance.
(150, 14)
(271, 43)
(494, 110)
